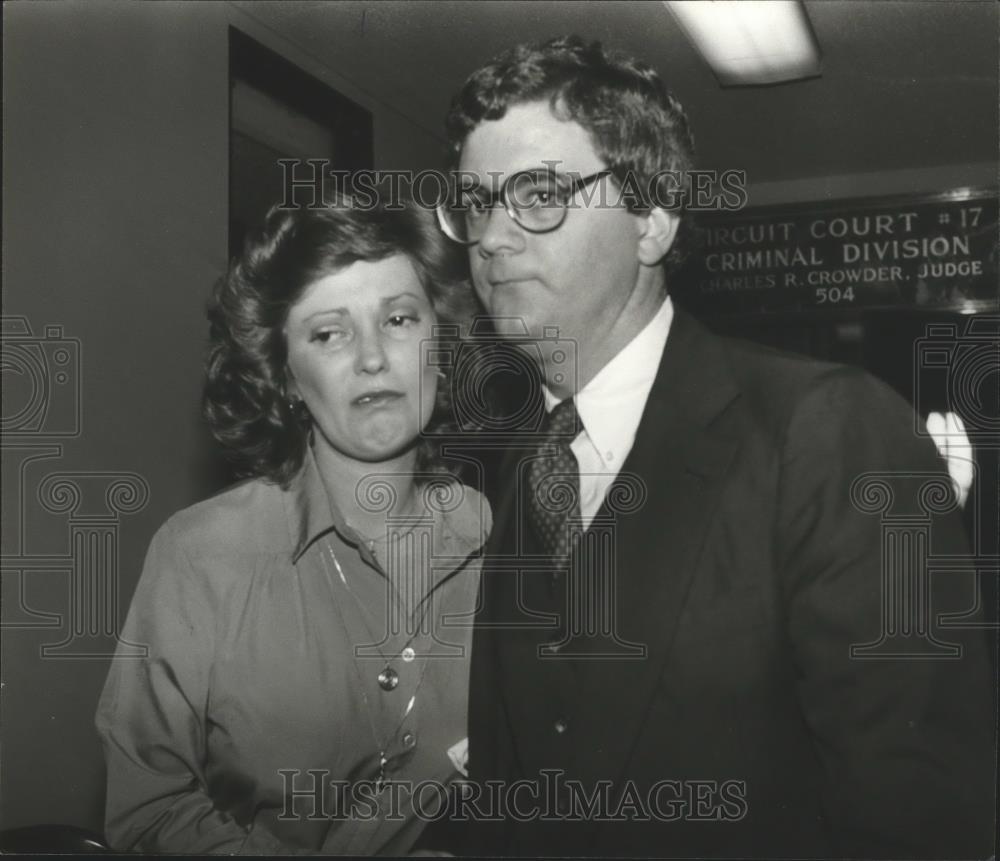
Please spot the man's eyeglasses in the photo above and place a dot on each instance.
(537, 200)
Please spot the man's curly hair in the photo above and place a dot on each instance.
(246, 401)
(635, 124)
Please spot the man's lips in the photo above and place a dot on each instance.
(376, 398)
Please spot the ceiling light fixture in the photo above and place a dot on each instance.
(751, 42)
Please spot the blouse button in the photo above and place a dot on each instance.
(408, 654)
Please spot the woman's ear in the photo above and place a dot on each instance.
(290, 387)
(659, 230)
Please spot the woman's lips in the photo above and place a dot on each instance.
(376, 398)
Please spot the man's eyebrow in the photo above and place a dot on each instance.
(551, 167)
(496, 178)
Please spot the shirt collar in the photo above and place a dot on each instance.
(310, 511)
(611, 404)
(461, 514)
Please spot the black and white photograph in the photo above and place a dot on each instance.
(493, 428)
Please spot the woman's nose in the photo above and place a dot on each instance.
(371, 356)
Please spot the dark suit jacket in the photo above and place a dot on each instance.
(733, 713)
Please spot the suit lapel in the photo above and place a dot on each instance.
(681, 452)
(523, 695)
(507, 634)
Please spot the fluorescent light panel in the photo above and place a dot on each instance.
(750, 42)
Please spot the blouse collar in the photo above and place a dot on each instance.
(461, 513)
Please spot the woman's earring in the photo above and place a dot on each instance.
(299, 409)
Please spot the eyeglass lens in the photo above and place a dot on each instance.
(535, 199)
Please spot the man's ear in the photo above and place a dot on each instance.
(659, 230)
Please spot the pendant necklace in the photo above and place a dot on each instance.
(388, 678)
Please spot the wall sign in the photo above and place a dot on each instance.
(938, 252)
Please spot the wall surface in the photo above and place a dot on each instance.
(978, 175)
(115, 190)
(115, 226)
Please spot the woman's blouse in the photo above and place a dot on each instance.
(256, 722)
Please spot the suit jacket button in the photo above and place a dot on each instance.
(560, 726)
(409, 740)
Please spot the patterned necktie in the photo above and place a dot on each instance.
(554, 482)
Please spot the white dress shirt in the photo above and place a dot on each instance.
(610, 407)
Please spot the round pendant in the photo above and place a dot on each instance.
(388, 679)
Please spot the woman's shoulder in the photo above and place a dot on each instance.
(245, 518)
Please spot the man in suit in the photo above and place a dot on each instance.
(686, 644)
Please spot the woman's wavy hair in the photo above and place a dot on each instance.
(246, 400)
(635, 124)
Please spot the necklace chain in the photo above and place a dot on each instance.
(411, 519)
(380, 780)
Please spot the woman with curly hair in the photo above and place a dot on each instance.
(307, 631)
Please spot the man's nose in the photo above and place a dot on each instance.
(501, 233)
(371, 357)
